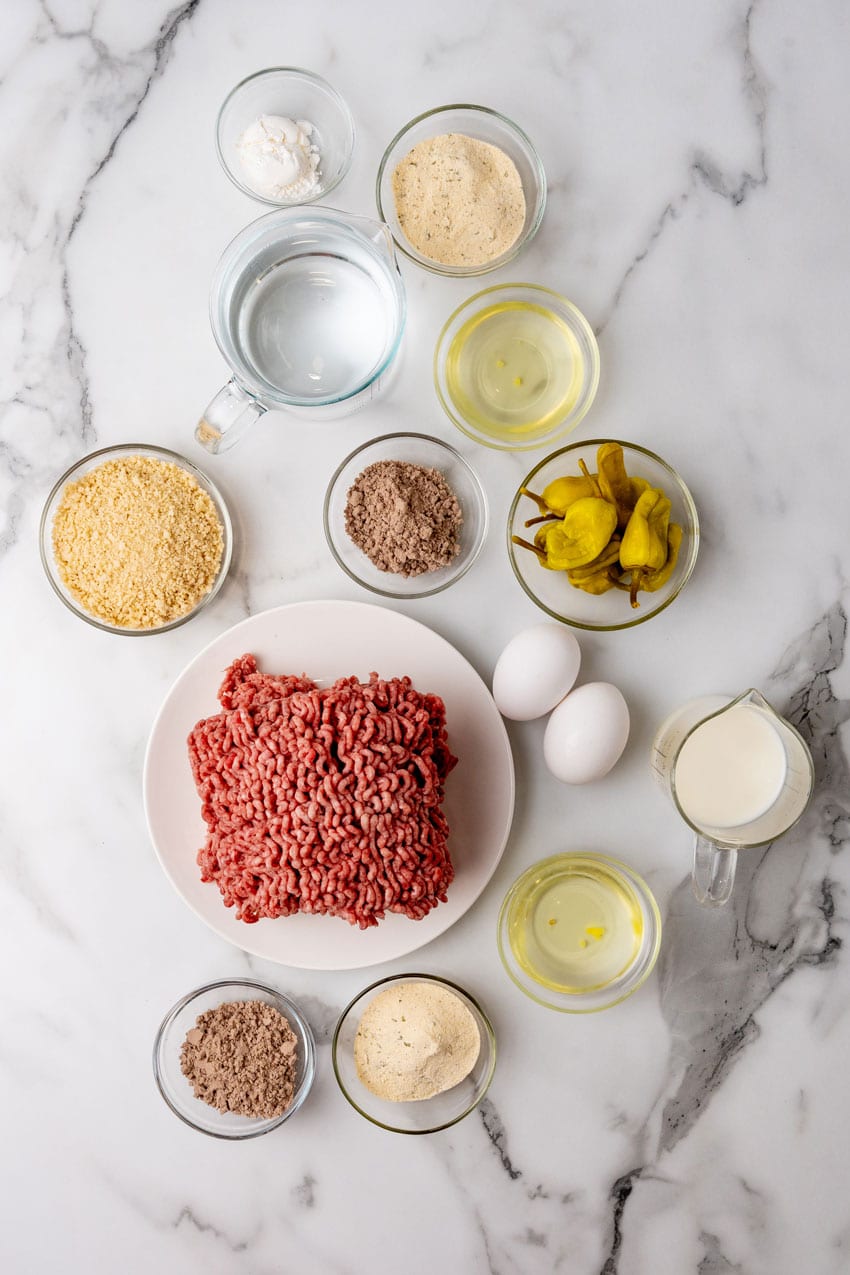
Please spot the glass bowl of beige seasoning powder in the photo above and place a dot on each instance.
(245, 1047)
(405, 515)
(414, 1053)
(462, 190)
(135, 539)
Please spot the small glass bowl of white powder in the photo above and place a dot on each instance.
(414, 1053)
(285, 136)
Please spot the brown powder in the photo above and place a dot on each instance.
(137, 542)
(459, 201)
(405, 518)
(242, 1057)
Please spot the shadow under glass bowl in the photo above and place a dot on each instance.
(477, 397)
(177, 1091)
(415, 449)
(296, 94)
(429, 1114)
(485, 125)
(536, 886)
(85, 466)
(551, 590)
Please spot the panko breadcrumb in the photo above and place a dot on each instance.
(137, 542)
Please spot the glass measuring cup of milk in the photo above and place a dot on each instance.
(738, 773)
(307, 306)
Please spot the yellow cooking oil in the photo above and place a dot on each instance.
(576, 930)
(514, 370)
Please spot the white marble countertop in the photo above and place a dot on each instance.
(699, 185)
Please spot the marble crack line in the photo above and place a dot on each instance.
(161, 48)
(187, 1216)
(705, 171)
(619, 1196)
(669, 213)
(714, 1260)
(495, 1130)
(754, 89)
(76, 351)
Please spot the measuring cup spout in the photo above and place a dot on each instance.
(377, 232)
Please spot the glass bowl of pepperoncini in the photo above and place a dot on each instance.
(603, 534)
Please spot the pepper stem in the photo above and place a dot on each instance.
(526, 544)
(530, 522)
(597, 490)
(538, 500)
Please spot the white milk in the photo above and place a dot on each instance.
(731, 769)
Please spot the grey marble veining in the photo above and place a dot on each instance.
(698, 169)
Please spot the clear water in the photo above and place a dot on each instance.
(313, 326)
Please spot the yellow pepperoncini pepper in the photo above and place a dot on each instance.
(614, 482)
(607, 558)
(560, 494)
(582, 533)
(597, 576)
(657, 579)
(641, 549)
(601, 582)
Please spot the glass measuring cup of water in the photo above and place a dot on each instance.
(308, 307)
(738, 774)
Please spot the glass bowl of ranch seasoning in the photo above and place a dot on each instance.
(405, 515)
(462, 190)
(414, 1053)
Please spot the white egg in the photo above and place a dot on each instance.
(535, 671)
(586, 734)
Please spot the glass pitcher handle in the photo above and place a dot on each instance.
(227, 417)
(714, 872)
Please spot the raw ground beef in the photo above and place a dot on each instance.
(323, 800)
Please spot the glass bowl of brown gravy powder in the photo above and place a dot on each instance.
(414, 1053)
(405, 515)
(462, 190)
(234, 1059)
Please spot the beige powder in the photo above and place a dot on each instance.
(137, 542)
(415, 1040)
(459, 201)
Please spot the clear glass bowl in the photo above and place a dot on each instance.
(486, 126)
(579, 348)
(551, 590)
(177, 1091)
(430, 1114)
(547, 874)
(416, 449)
(299, 95)
(85, 466)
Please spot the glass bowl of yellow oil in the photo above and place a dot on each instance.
(516, 366)
(579, 932)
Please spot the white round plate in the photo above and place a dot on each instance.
(327, 640)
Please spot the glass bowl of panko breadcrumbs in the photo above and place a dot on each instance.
(135, 539)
